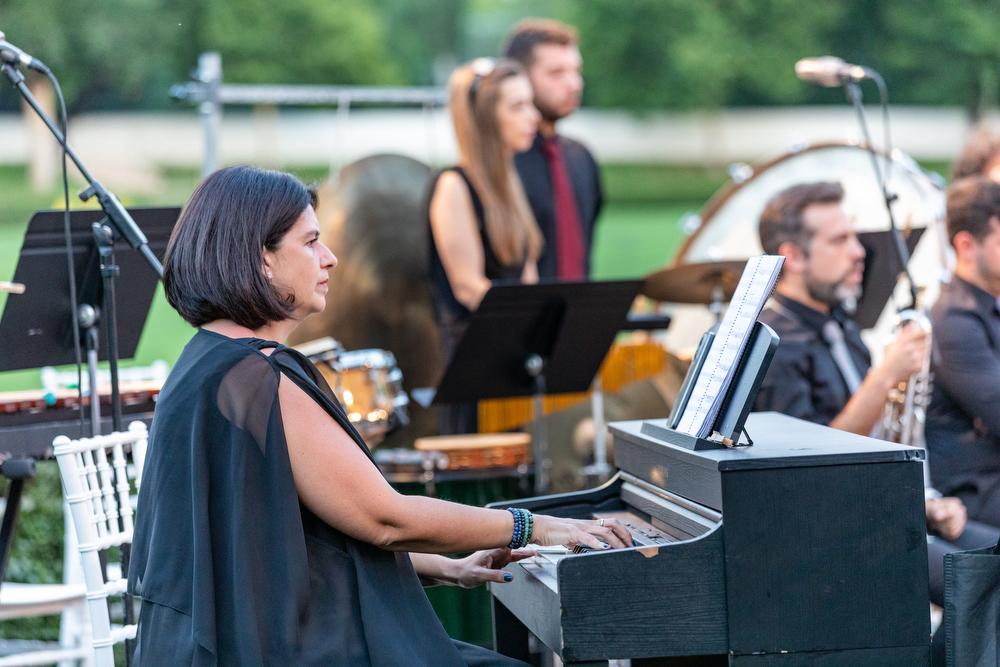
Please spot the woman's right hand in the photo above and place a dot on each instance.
(594, 533)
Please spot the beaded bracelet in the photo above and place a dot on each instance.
(524, 526)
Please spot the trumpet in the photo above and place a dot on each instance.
(905, 410)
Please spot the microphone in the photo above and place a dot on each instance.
(830, 71)
(12, 55)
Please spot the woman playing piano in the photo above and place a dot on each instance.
(265, 532)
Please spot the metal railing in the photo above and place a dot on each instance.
(207, 90)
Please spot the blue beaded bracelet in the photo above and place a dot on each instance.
(524, 525)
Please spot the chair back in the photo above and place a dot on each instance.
(98, 487)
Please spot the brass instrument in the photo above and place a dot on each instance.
(905, 410)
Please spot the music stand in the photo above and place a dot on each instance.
(36, 327)
(751, 368)
(548, 338)
(881, 273)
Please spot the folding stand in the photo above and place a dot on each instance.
(728, 427)
(881, 273)
(36, 327)
(540, 339)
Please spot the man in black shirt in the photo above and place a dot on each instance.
(963, 421)
(560, 176)
(821, 371)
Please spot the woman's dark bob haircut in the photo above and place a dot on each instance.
(214, 266)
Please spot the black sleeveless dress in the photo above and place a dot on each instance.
(452, 317)
(232, 569)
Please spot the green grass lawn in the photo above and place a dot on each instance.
(635, 239)
(632, 239)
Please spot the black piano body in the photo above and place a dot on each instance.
(808, 548)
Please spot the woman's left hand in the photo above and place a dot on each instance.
(487, 565)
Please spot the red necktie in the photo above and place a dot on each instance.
(569, 237)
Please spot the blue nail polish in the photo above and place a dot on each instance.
(507, 576)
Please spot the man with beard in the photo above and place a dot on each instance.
(821, 371)
(963, 420)
(560, 176)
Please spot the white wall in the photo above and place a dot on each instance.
(118, 141)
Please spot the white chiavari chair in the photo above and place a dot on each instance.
(98, 490)
(68, 599)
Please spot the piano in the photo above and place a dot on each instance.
(807, 548)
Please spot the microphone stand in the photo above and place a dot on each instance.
(116, 220)
(899, 243)
(116, 215)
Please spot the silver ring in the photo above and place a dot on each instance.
(601, 523)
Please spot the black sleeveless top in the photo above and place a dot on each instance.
(231, 567)
(449, 312)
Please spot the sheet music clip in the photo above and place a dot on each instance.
(728, 429)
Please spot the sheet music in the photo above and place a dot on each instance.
(753, 291)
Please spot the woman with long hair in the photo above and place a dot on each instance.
(482, 228)
(265, 532)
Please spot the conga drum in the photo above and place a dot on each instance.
(473, 469)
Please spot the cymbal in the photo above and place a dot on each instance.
(704, 282)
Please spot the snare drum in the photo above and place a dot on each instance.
(368, 384)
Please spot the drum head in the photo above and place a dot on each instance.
(728, 227)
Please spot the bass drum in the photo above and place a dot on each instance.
(728, 226)
(372, 216)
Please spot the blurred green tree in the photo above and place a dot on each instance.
(943, 52)
(114, 53)
(298, 41)
(125, 53)
(678, 54)
(641, 54)
(423, 37)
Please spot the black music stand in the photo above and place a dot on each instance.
(36, 326)
(548, 338)
(881, 273)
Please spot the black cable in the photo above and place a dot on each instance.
(902, 253)
(883, 94)
(68, 234)
(94, 394)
